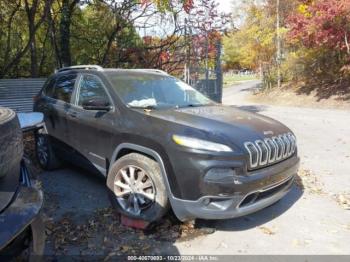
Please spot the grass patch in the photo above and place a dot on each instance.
(230, 80)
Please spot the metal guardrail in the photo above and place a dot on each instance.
(18, 94)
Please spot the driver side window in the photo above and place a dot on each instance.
(91, 88)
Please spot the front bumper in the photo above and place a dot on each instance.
(252, 192)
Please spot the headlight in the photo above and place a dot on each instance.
(200, 144)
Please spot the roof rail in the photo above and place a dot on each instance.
(86, 67)
(152, 70)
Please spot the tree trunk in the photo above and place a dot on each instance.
(108, 47)
(33, 53)
(31, 12)
(65, 23)
(53, 38)
(65, 34)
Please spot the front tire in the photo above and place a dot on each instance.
(45, 154)
(136, 188)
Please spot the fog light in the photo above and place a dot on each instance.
(220, 175)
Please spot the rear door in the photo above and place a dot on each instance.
(91, 131)
(58, 104)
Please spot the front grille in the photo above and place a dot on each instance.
(270, 150)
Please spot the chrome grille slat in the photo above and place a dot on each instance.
(270, 150)
(279, 148)
(284, 154)
(263, 151)
(254, 161)
(290, 145)
(282, 147)
(293, 141)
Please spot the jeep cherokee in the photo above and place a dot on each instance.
(161, 144)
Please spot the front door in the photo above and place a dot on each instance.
(91, 130)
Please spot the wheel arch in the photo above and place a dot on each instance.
(127, 148)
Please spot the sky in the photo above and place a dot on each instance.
(225, 5)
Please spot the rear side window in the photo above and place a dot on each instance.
(64, 87)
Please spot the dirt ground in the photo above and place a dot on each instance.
(313, 219)
(292, 97)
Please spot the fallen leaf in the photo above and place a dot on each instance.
(125, 248)
(343, 200)
(306, 180)
(267, 231)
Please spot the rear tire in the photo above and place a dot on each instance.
(147, 198)
(11, 143)
(45, 154)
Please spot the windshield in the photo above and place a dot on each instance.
(145, 90)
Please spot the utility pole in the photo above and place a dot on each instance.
(206, 50)
(206, 58)
(278, 43)
(187, 58)
(218, 69)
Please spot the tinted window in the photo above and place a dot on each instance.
(91, 87)
(64, 87)
(48, 88)
(155, 90)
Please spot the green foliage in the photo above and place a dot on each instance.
(315, 42)
(38, 36)
(91, 29)
(254, 43)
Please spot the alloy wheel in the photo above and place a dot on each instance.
(42, 150)
(134, 189)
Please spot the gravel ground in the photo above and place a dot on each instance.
(314, 218)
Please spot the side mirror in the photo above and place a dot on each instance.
(97, 104)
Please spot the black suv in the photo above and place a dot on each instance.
(161, 144)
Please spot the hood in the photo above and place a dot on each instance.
(224, 122)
